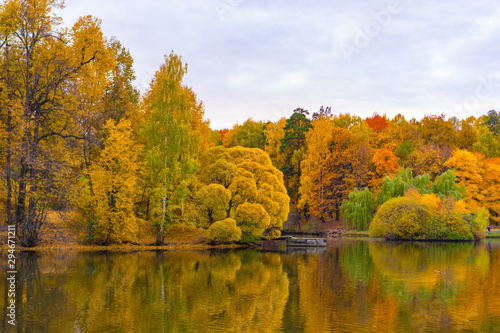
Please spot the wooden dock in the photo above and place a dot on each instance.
(289, 242)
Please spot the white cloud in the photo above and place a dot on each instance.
(261, 58)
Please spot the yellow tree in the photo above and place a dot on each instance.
(252, 180)
(312, 164)
(213, 203)
(467, 168)
(339, 166)
(108, 207)
(274, 133)
(43, 65)
(491, 189)
(436, 130)
(467, 134)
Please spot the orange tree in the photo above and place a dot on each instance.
(326, 186)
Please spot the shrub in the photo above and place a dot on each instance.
(401, 218)
(224, 231)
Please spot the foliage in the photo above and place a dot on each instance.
(386, 164)
(436, 130)
(274, 133)
(258, 199)
(328, 175)
(487, 144)
(358, 210)
(404, 149)
(466, 167)
(445, 186)
(467, 134)
(400, 218)
(249, 134)
(41, 63)
(429, 159)
(397, 185)
(252, 219)
(107, 199)
(171, 143)
(490, 187)
(293, 146)
(224, 231)
(213, 203)
(492, 120)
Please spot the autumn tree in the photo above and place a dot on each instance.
(274, 133)
(311, 180)
(249, 134)
(258, 199)
(429, 159)
(386, 164)
(438, 131)
(401, 131)
(365, 170)
(467, 168)
(380, 137)
(491, 190)
(293, 148)
(466, 134)
(170, 143)
(334, 179)
(43, 60)
(213, 203)
(106, 205)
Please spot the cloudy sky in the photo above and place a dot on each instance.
(264, 58)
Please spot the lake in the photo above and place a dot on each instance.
(351, 286)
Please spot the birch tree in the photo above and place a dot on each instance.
(170, 143)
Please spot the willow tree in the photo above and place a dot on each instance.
(170, 143)
(258, 199)
(358, 210)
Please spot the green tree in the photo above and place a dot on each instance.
(492, 120)
(293, 148)
(487, 144)
(170, 143)
(358, 210)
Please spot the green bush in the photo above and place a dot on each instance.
(478, 223)
(449, 227)
(400, 218)
(225, 231)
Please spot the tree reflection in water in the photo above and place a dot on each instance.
(355, 285)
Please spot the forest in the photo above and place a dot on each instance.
(76, 136)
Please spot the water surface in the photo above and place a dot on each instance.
(351, 286)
